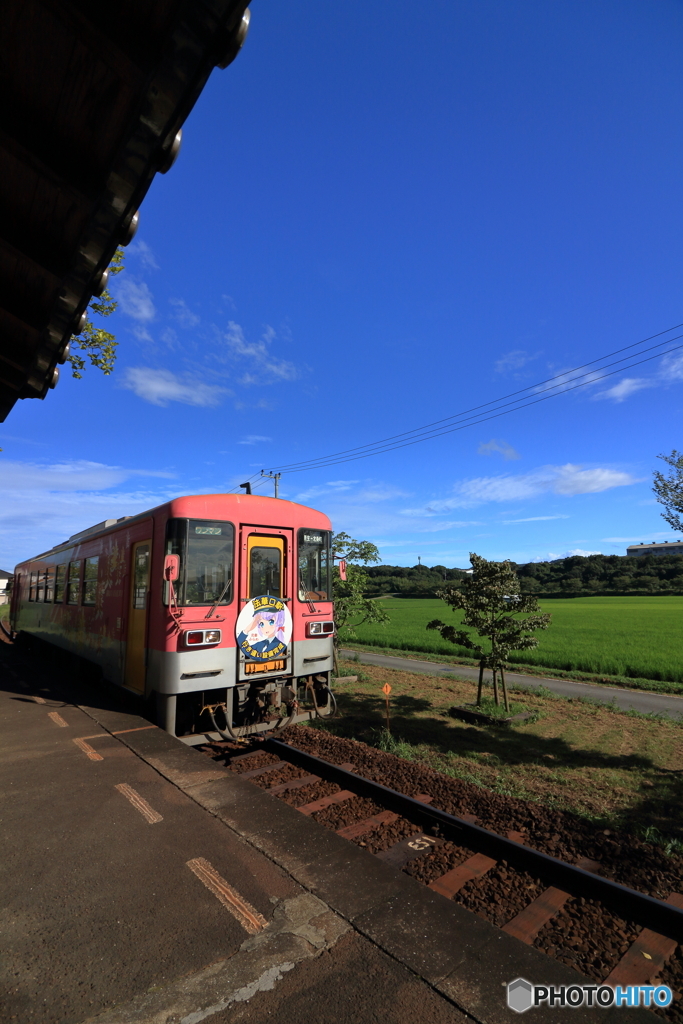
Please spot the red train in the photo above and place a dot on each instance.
(218, 607)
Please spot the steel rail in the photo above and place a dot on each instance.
(647, 911)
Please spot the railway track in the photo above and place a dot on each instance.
(615, 934)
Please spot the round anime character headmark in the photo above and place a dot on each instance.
(264, 629)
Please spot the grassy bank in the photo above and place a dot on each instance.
(629, 637)
(621, 769)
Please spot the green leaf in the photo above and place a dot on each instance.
(98, 345)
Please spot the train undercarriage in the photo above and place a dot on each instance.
(246, 709)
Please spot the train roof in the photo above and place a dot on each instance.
(252, 507)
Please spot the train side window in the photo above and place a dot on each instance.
(50, 584)
(40, 585)
(60, 578)
(90, 580)
(73, 587)
(141, 580)
(32, 586)
(315, 564)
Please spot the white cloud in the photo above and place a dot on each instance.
(566, 381)
(264, 367)
(240, 346)
(135, 299)
(625, 388)
(142, 334)
(44, 504)
(565, 480)
(142, 250)
(254, 439)
(670, 372)
(532, 519)
(23, 440)
(78, 475)
(574, 480)
(502, 447)
(514, 360)
(578, 551)
(448, 525)
(330, 488)
(672, 367)
(372, 494)
(161, 387)
(553, 556)
(183, 314)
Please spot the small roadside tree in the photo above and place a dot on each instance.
(491, 598)
(669, 490)
(351, 606)
(94, 342)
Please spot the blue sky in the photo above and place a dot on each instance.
(379, 219)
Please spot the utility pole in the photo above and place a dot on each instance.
(276, 478)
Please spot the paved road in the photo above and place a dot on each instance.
(638, 700)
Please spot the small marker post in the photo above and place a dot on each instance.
(386, 690)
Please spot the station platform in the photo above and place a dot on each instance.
(142, 883)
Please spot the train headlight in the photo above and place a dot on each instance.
(320, 628)
(202, 637)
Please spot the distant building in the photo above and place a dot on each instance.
(5, 581)
(673, 547)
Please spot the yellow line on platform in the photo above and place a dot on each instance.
(138, 803)
(87, 749)
(241, 910)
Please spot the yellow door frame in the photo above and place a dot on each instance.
(259, 540)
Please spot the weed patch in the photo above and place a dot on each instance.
(621, 770)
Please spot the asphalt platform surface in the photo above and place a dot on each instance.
(637, 700)
(142, 884)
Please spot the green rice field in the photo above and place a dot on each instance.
(637, 637)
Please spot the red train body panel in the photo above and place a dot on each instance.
(154, 600)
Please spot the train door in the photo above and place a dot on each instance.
(266, 571)
(134, 677)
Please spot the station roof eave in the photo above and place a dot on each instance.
(94, 96)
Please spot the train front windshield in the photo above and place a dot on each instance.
(315, 565)
(206, 560)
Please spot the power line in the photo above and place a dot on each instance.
(484, 419)
(564, 378)
(431, 431)
(424, 433)
(251, 479)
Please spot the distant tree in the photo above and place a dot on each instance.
(352, 606)
(94, 342)
(491, 598)
(669, 490)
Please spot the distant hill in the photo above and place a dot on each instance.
(573, 576)
(420, 581)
